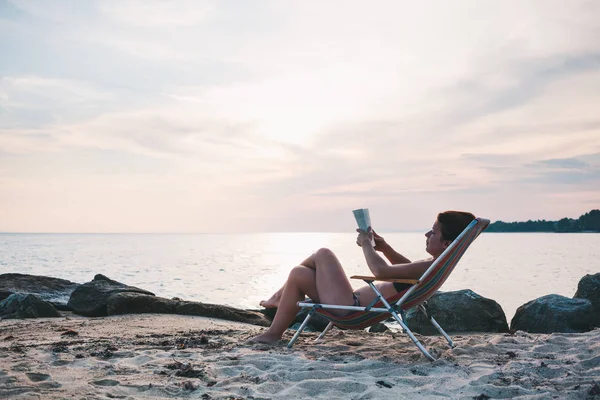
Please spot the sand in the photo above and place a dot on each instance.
(169, 356)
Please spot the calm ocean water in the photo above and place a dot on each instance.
(241, 269)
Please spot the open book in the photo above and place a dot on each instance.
(363, 219)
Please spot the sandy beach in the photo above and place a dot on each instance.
(171, 356)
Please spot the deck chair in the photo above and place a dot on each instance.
(414, 296)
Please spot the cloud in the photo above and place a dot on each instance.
(30, 102)
(157, 13)
(565, 163)
(48, 90)
(272, 107)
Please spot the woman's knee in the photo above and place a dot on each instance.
(325, 253)
(300, 272)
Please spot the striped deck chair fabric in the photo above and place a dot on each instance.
(414, 296)
(360, 319)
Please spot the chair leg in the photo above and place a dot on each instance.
(437, 326)
(302, 326)
(412, 337)
(394, 313)
(327, 329)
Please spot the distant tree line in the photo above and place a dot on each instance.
(588, 222)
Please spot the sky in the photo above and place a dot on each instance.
(270, 116)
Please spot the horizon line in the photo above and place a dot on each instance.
(192, 233)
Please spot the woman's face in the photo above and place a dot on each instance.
(435, 244)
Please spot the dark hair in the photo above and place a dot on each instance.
(452, 223)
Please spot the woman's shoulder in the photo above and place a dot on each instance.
(430, 260)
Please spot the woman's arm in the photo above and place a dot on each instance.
(392, 255)
(381, 269)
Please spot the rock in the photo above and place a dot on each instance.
(378, 328)
(459, 311)
(221, 312)
(554, 313)
(589, 288)
(91, 298)
(296, 325)
(21, 305)
(317, 322)
(138, 303)
(269, 312)
(54, 290)
(103, 296)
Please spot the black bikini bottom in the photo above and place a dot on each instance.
(400, 287)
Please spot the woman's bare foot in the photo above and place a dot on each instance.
(270, 303)
(273, 302)
(265, 338)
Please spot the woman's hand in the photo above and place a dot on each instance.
(380, 242)
(364, 237)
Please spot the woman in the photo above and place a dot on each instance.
(322, 278)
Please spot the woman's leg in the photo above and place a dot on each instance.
(301, 282)
(273, 301)
(310, 260)
(333, 286)
(326, 283)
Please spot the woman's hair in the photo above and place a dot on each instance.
(452, 223)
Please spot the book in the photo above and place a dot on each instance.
(363, 220)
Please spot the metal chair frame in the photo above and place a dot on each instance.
(397, 309)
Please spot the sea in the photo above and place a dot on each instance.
(239, 270)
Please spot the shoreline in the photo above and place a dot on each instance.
(171, 356)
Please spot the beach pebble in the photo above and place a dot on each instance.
(384, 384)
(106, 382)
(37, 377)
